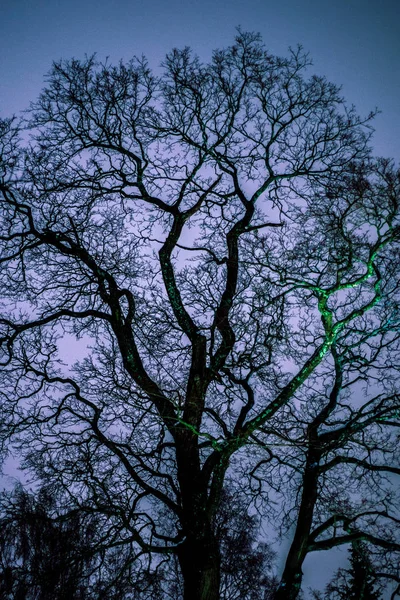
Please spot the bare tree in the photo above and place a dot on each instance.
(226, 249)
(343, 420)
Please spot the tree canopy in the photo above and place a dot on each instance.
(200, 289)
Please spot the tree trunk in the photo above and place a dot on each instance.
(199, 555)
(199, 560)
(290, 584)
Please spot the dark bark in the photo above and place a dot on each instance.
(290, 584)
(199, 559)
(199, 555)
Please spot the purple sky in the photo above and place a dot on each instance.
(355, 43)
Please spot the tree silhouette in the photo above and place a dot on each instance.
(226, 249)
(356, 583)
(361, 574)
(45, 554)
(41, 558)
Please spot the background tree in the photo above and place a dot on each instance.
(359, 581)
(46, 553)
(41, 558)
(362, 579)
(226, 249)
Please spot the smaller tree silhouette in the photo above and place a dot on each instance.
(356, 583)
(362, 578)
(246, 565)
(41, 557)
(46, 554)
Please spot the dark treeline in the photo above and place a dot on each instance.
(48, 555)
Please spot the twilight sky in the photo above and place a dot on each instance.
(355, 43)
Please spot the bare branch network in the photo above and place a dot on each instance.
(226, 248)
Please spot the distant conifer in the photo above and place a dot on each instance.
(362, 578)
